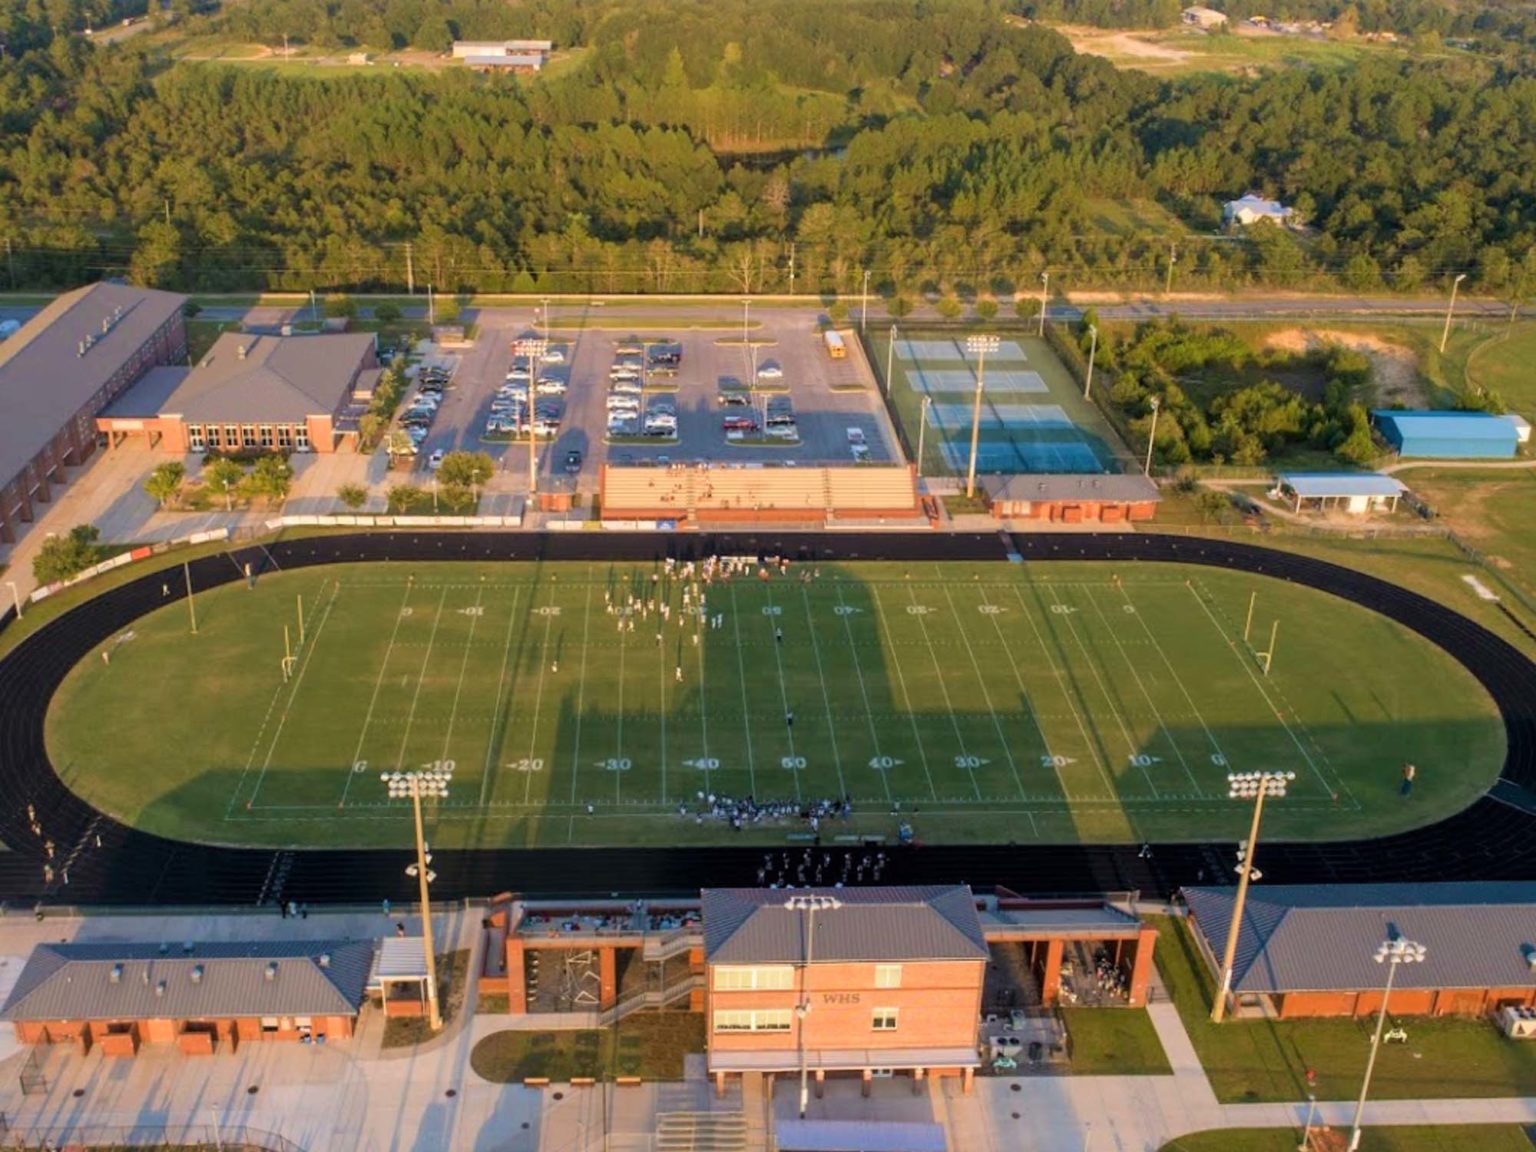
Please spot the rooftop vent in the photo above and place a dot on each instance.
(187, 947)
(240, 352)
(271, 972)
(160, 988)
(164, 948)
(197, 974)
(1529, 952)
(117, 974)
(325, 959)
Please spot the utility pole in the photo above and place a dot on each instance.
(1093, 348)
(1450, 310)
(1045, 296)
(921, 430)
(314, 309)
(1173, 258)
(864, 304)
(431, 308)
(167, 211)
(890, 354)
(1152, 436)
(410, 269)
(791, 268)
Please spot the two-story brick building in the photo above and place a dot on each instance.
(878, 981)
(62, 368)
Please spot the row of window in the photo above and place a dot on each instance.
(231, 437)
(781, 976)
(778, 1019)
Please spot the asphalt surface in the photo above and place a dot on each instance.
(105, 862)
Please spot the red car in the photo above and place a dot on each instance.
(739, 424)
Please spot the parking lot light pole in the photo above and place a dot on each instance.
(864, 303)
(921, 429)
(431, 781)
(1244, 786)
(810, 905)
(544, 311)
(890, 361)
(980, 345)
(1450, 309)
(534, 350)
(1151, 437)
(1045, 297)
(15, 597)
(1093, 348)
(1391, 952)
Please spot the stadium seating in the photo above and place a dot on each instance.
(726, 495)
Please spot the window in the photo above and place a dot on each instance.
(887, 975)
(248, 436)
(266, 435)
(885, 1020)
(759, 1020)
(195, 437)
(231, 436)
(778, 976)
(285, 436)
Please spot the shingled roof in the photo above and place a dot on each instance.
(753, 926)
(217, 980)
(249, 379)
(1316, 938)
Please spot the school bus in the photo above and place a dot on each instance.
(835, 346)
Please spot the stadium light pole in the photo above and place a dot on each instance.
(1244, 786)
(864, 303)
(534, 350)
(921, 429)
(1093, 348)
(1151, 437)
(15, 597)
(1450, 309)
(890, 361)
(980, 345)
(1045, 296)
(1391, 952)
(414, 785)
(810, 904)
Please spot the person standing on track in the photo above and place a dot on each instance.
(1409, 772)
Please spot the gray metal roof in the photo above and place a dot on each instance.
(1330, 484)
(1127, 487)
(246, 378)
(146, 399)
(213, 980)
(1314, 938)
(44, 377)
(752, 925)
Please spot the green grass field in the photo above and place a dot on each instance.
(993, 702)
(1471, 1138)
(1502, 363)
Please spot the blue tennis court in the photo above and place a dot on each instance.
(935, 380)
(920, 350)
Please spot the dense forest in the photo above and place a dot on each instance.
(687, 146)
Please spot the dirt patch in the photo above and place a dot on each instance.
(1120, 47)
(1394, 369)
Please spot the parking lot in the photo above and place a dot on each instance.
(712, 360)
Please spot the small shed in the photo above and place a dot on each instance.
(1253, 208)
(1356, 492)
(1202, 17)
(1449, 435)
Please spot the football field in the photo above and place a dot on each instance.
(597, 704)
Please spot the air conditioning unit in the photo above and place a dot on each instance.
(1518, 1023)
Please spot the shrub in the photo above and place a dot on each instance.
(64, 556)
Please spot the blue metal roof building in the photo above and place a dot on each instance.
(1449, 435)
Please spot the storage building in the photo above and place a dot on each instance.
(1449, 435)
(1069, 498)
(1356, 492)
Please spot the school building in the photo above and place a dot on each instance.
(1309, 950)
(63, 367)
(254, 393)
(117, 996)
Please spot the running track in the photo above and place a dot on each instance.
(109, 863)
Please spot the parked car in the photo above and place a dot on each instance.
(553, 356)
(573, 461)
(735, 399)
(435, 461)
(770, 372)
(739, 424)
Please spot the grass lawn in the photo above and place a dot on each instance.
(1494, 511)
(1470, 1138)
(1502, 363)
(452, 983)
(997, 702)
(1114, 1042)
(1256, 1060)
(650, 1045)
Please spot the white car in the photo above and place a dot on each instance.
(550, 388)
(770, 372)
(553, 356)
(435, 461)
(626, 388)
(519, 374)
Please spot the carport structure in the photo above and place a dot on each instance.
(1356, 492)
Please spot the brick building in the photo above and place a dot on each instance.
(254, 393)
(1069, 498)
(1309, 950)
(116, 996)
(63, 367)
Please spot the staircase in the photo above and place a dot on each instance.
(701, 1132)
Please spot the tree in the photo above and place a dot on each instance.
(223, 476)
(339, 305)
(387, 313)
(165, 482)
(986, 309)
(61, 557)
(466, 469)
(354, 496)
(949, 307)
(898, 306)
(434, 35)
(270, 478)
(447, 309)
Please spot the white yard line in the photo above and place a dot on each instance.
(501, 693)
(1048, 757)
(949, 707)
(374, 699)
(538, 703)
(458, 690)
(1221, 760)
(421, 678)
(283, 717)
(618, 735)
(1130, 743)
(986, 695)
(661, 677)
(1268, 700)
(837, 759)
(858, 668)
(778, 660)
(906, 696)
(700, 624)
(1066, 692)
(581, 695)
(741, 665)
(1145, 691)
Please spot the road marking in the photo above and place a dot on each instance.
(374, 699)
(933, 793)
(498, 721)
(837, 759)
(986, 694)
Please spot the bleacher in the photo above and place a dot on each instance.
(701, 495)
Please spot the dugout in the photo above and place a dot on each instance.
(1357, 493)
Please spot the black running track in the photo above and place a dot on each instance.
(109, 863)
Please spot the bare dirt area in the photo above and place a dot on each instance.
(1121, 47)
(1394, 369)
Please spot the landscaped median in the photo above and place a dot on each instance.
(1268, 1060)
(1471, 1138)
(648, 1045)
